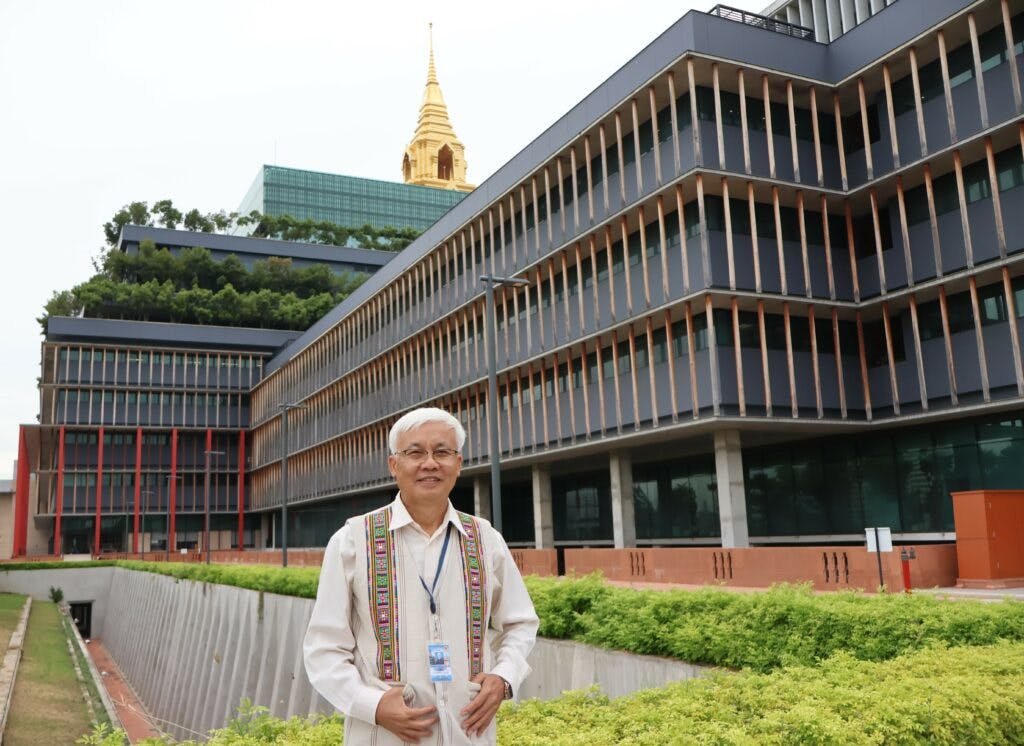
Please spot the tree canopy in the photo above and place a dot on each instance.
(163, 213)
(191, 287)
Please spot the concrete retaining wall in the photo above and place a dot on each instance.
(80, 585)
(192, 651)
(560, 665)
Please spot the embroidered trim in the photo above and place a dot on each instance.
(382, 582)
(382, 587)
(475, 584)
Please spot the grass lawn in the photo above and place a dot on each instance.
(10, 609)
(47, 705)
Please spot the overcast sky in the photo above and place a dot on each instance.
(103, 103)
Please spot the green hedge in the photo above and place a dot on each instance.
(762, 631)
(961, 695)
(11, 566)
(290, 581)
(955, 696)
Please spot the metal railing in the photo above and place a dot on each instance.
(759, 21)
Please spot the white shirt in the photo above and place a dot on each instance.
(340, 648)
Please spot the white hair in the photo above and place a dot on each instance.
(423, 415)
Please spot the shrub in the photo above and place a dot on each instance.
(936, 696)
(291, 581)
(762, 631)
(53, 565)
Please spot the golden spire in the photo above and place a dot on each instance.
(435, 157)
(431, 70)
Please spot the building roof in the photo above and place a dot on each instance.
(264, 247)
(161, 334)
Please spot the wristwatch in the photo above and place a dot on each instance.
(508, 689)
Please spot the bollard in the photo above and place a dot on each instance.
(905, 556)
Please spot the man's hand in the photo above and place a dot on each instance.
(479, 713)
(408, 723)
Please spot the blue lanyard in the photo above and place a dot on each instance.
(437, 575)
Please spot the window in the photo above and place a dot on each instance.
(976, 182)
(705, 104)
(864, 233)
(1009, 169)
(929, 320)
(992, 304)
(961, 315)
(875, 348)
(853, 130)
(961, 65)
(1018, 295)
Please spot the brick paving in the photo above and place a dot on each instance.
(134, 718)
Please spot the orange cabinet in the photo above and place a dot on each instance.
(989, 535)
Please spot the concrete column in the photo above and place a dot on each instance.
(732, 499)
(620, 464)
(543, 520)
(482, 497)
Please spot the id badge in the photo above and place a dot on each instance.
(439, 657)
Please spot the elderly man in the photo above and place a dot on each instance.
(422, 623)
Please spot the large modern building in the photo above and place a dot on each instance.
(346, 200)
(774, 296)
(128, 410)
(774, 278)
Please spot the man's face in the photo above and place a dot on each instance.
(428, 481)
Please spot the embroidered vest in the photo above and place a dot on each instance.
(382, 585)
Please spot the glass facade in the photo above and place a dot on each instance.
(582, 507)
(676, 499)
(900, 478)
(346, 200)
(517, 512)
(313, 525)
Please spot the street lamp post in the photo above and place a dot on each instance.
(285, 408)
(206, 501)
(492, 391)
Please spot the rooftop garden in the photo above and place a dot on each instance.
(190, 287)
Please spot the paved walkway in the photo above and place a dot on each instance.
(134, 718)
(978, 594)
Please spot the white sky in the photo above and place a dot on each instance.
(104, 102)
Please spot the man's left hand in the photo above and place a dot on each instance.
(479, 713)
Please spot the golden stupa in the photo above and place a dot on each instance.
(435, 157)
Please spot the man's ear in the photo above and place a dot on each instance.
(392, 464)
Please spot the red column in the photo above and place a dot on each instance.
(241, 490)
(19, 546)
(206, 489)
(60, 493)
(138, 487)
(174, 489)
(99, 492)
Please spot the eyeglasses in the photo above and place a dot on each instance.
(419, 455)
